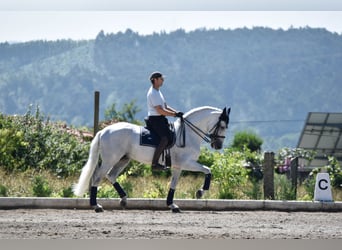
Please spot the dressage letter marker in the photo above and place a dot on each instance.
(323, 188)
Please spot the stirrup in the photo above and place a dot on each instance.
(159, 167)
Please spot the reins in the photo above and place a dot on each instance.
(205, 136)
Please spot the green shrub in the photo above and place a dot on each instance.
(255, 190)
(40, 187)
(229, 173)
(309, 187)
(207, 157)
(12, 145)
(32, 142)
(3, 191)
(158, 191)
(67, 192)
(107, 191)
(283, 188)
(247, 139)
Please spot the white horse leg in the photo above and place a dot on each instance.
(113, 175)
(196, 167)
(174, 181)
(98, 175)
(206, 186)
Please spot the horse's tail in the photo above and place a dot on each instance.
(87, 171)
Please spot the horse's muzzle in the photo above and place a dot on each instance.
(216, 145)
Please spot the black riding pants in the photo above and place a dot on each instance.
(160, 125)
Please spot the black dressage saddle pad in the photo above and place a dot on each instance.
(151, 139)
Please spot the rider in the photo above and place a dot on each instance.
(157, 112)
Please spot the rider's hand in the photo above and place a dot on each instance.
(179, 114)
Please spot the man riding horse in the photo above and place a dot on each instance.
(157, 121)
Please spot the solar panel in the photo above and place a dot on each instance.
(322, 133)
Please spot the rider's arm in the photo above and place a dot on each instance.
(165, 111)
(170, 109)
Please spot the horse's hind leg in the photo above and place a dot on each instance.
(113, 175)
(95, 180)
(98, 175)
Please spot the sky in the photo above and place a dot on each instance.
(41, 21)
(19, 26)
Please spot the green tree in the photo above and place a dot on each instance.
(127, 113)
(247, 139)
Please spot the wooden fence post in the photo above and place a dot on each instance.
(268, 168)
(294, 173)
(96, 111)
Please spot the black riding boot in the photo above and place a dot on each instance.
(159, 150)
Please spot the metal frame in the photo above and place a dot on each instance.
(322, 133)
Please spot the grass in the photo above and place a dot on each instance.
(21, 184)
(24, 184)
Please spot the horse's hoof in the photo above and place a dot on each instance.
(176, 210)
(123, 202)
(199, 193)
(98, 209)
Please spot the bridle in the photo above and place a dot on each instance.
(210, 137)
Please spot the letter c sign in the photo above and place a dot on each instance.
(323, 186)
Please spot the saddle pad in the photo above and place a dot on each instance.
(147, 138)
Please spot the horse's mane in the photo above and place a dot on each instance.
(200, 109)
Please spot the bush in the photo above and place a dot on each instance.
(67, 192)
(309, 187)
(40, 187)
(247, 139)
(283, 188)
(3, 191)
(229, 173)
(31, 141)
(107, 191)
(206, 157)
(158, 191)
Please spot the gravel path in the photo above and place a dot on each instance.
(146, 224)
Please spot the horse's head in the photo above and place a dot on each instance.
(208, 123)
(217, 133)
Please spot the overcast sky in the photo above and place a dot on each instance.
(64, 19)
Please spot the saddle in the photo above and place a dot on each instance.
(149, 138)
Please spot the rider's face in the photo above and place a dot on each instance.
(158, 82)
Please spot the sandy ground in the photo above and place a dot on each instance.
(146, 224)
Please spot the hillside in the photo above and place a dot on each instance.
(270, 78)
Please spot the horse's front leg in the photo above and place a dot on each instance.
(196, 167)
(174, 181)
(206, 186)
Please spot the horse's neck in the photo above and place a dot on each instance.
(199, 117)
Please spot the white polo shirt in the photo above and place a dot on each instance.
(154, 98)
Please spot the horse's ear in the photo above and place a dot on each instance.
(224, 110)
(228, 111)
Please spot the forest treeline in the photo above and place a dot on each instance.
(270, 78)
